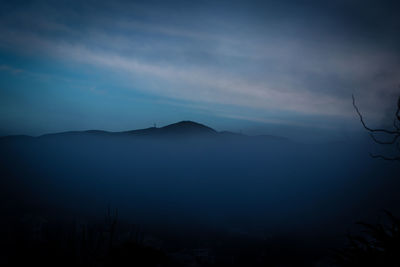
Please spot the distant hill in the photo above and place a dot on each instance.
(180, 129)
(187, 127)
(183, 128)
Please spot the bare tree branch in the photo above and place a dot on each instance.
(385, 142)
(395, 123)
(370, 129)
(384, 157)
(396, 132)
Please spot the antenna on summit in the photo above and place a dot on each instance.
(155, 125)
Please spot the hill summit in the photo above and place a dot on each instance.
(187, 127)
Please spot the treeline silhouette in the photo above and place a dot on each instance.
(33, 240)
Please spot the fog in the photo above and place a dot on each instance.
(259, 186)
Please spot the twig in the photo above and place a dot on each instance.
(385, 142)
(384, 157)
(366, 127)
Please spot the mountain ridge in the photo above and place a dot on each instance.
(181, 129)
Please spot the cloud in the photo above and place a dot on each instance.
(10, 69)
(269, 67)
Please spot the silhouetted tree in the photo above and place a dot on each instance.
(111, 222)
(394, 133)
(377, 245)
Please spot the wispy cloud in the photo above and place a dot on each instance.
(270, 68)
(10, 69)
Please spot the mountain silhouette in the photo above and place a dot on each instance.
(188, 127)
(180, 129)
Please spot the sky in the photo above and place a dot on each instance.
(260, 67)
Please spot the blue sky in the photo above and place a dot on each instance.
(258, 67)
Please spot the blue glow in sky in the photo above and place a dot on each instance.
(259, 67)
